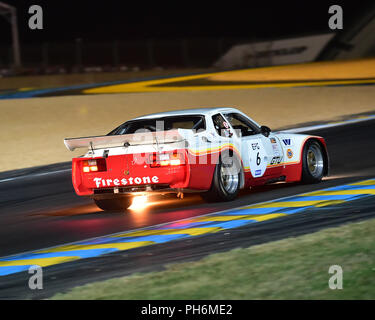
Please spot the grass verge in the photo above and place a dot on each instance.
(293, 268)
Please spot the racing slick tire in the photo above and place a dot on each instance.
(225, 184)
(313, 162)
(114, 204)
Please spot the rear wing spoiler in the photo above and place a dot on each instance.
(102, 142)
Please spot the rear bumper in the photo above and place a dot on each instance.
(126, 174)
(109, 193)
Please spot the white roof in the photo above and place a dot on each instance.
(203, 111)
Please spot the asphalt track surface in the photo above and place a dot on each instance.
(42, 211)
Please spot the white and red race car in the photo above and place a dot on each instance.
(213, 151)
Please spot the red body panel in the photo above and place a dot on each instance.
(196, 173)
(134, 170)
(125, 171)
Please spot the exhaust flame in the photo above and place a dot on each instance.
(139, 203)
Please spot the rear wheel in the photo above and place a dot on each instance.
(312, 162)
(225, 182)
(114, 204)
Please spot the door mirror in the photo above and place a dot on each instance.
(264, 130)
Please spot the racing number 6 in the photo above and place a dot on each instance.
(258, 159)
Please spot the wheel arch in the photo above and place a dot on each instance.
(323, 146)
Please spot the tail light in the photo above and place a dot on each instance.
(94, 165)
(166, 159)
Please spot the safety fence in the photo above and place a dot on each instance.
(80, 55)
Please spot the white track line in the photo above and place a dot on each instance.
(329, 125)
(295, 130)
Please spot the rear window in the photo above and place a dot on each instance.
(194, 122)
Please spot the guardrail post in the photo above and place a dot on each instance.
(115, 52)
(45, 56)
(79, 54)
(150, 53)
(185, 52)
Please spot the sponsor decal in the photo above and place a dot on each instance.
(273, 140)
(100, 182)
(275, 149)
(255, 146)
(258, 172)
(289, 153)
(287, 142)
(275, 160)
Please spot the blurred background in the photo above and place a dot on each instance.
(91, 65)
(105, 36)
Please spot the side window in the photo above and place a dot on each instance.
(221, 126)
(241, 125)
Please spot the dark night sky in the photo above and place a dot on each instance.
(65, 20)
